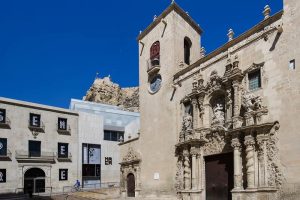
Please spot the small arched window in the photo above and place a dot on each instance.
(187, 50)
(155, 53)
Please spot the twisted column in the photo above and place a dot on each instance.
(187, 170)
(249, 143)
(238, 181)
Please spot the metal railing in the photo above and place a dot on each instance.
(66, 131)
(46, 191)
(40, 128)
(61, 158)
(86, 187)
(153, 63)
(21, 155)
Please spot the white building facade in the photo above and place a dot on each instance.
(101, 128)
(38, 147)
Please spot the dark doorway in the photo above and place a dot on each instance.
(34, 181)
(130, 185)
(219, 176)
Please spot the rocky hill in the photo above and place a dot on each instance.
(107, 92)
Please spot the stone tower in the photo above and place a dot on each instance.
(169, 44)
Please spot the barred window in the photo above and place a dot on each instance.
(254, 79)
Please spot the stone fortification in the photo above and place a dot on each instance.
(107, 92)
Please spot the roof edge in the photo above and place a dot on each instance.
(231, 43)
(174, 6)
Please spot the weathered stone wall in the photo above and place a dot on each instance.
(107, 92)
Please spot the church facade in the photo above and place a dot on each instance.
(217, 126)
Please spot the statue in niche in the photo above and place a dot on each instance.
(218, 114)
(251, 102)
(187, 123)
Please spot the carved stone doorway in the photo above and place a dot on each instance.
(34, 181)
(130, 185)
(219, 176)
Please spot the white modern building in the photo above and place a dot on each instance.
(101, 128)
(38, 147)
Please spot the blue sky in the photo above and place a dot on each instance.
(50, 51)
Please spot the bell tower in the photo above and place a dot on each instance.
(170, 43)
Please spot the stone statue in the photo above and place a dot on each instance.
(218, 114)
(187, 123)
(251, 102)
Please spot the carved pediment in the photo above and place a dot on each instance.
(215, 82)
(254, 67)
(131, 156)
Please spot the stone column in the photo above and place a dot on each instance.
(200, 168)
(236, 91)
(249, 143)
(194, 153)
(238, 179)
(187, 169)
(201, 111)
(262, 161)
(195, 113)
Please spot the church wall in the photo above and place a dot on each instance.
(280, 87)
(160, 114)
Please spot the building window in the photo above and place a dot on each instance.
(34, 148)
(35, 120)
(3, 146)
(63, 150)
(63, 174)
(108, 160)
(292, 65)
(187, 50)
(62, 124)
(91, 161)
(2, 115)
(155, 53)
(2, 175)
(113, 135)
(254, 79)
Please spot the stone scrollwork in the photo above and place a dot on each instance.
(187, 122)
(179, 184)
(131, 156)
(215, 82)
(216, 143)
(218, 114)
(274, 168)
(251, 102)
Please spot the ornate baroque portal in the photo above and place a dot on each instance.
(130, 166)
(222, 117)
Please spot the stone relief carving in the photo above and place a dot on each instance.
(274, 168)
(250, 101)
(187, 122)
(131, 155)
(218, 114)
(216, 143)
(179, 175)
(215, 82)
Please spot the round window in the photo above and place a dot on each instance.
(155, 83)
